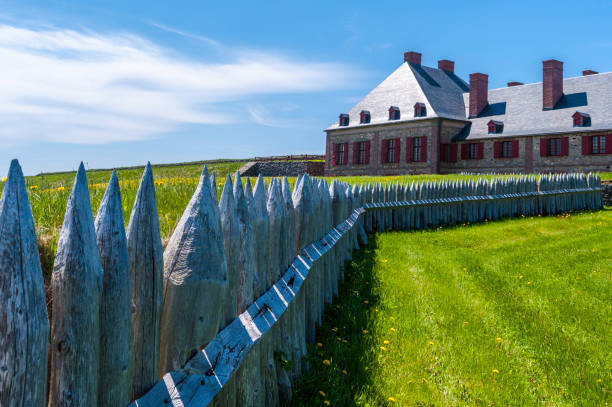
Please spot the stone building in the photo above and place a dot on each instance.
(427, 120)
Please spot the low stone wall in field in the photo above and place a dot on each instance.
(607, 194)
(282, 168)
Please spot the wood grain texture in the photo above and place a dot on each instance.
(116, 339)
(76, 284)
(147, 273)
(195, 280)
(230, 229)
(24, 325)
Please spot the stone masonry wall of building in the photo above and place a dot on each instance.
(442, 131)
(375, 135)
(574, 161)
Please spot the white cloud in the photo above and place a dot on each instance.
(82, 87)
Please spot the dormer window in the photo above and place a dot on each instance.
(495, 127)
(364, 117)
(394, 113)
(344, 119)
(581, 119)
(420, 110)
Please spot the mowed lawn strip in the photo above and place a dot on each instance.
(515, 312)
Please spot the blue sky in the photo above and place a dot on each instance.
(116, 83)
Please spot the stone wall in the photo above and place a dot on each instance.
(607, 194)
(441, 131)
(282, 168)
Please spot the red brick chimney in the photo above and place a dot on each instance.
(479, 89)
(412, 57)
(589, 72)
(552, 87)
(446, 65)
(515, 84)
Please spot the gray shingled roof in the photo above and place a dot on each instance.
(520, 108)
(440, 91)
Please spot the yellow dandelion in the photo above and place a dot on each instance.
(498, 339)
(344, 341)
(36, 187)
(326, 362)
(383, 348)
(593, 250)
(322, 393)
(431, 343)
(598, 380)
(338, 338)
(4, 179)
(335, 329)
(465, 269)
(384, 261)
(520, 277)
(465, 322)
(60, 189)
(424, 380)
(319, 345)
(392, 329)
(344, 372)
(366, 301)
(528, 282)
(495, 371)
(386, 342)
(392, 399)
(365, 331)
(326, 402)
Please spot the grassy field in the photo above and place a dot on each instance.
(174, 185)
(509, 313)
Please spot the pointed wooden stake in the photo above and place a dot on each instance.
(116, 341)
(77, 290)
(230, 226)
(147, 273)
(23, 315)
(195, 281)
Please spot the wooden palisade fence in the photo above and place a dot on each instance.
(238, 292)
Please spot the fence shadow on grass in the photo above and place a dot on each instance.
(345, 340)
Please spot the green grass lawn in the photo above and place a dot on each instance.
(509, 313)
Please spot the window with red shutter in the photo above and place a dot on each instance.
(408, 149)
(497, 149)
(453, 153)
(424, 149)
(334, 148)
(465, 151)
(515, 149)
(367, 152)
(346, 145)
(554, 147)
(397, 150)
(598, 145)
(480, 153)
(356, 152)
(586, 145)
(383, 151)
(565, 146)
(609, 144)
(543, 147)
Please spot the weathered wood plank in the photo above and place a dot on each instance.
(195, 281)
(24, 325)
(147, 276)
(76, 284)
(116, 340)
